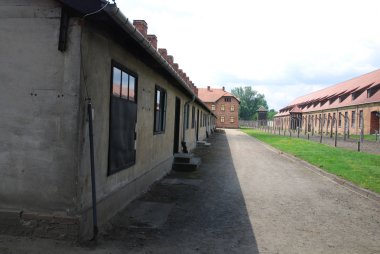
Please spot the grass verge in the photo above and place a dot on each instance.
(366, 137)
(360, 168)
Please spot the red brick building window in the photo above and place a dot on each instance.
(213, 107)
(232, 119)
(222, 119)
(222, 107)
(340, 120)
(227, 99)
(360, 118)
(232, 108)
(353, 119)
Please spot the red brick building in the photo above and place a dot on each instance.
(350, 107)
(223, 104)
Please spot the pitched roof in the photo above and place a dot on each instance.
(262, 109)
(213, 94)
(347, 93)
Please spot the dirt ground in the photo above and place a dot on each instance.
(245, 198)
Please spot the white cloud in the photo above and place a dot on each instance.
(284, 48)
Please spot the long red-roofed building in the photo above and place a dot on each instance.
(223, 104)
(351, 105)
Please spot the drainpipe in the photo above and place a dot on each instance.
(93, 186)
(185, 113)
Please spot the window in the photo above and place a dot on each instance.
(346, 120)
(123, 85)
(333, 120)
(122, 119)
(159, 110)
(232, 119)
(361, 119)
(227, 99)
(222, 119)
(222, 107)
(353, 119)
(193, 118)
(371, 91)
(340, 120)
(187, 120)
(213, 107)
(232, 108)
(328, 120)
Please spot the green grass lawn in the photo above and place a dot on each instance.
(366, 137)
(360, 168)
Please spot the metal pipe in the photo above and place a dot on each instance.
(93, 182)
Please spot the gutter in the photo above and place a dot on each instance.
(116, 15)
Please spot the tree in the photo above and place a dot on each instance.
(250, 101)
(271, 114)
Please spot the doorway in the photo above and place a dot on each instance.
(197, 131)
(176, 125)
(374, 122)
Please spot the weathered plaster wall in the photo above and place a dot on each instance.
(38, 109)
(153, 151)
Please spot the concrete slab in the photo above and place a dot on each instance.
(193, 182)
(144, 214)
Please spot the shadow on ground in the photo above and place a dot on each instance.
(199, 212)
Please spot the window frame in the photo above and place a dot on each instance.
(232, 108)
(121, 68)
(124, 69)
(353, 119)
(361, 118)
(193, 117)
(213, 107)
(187, 120)
(161, 113)
(222, 119)
(222, 107)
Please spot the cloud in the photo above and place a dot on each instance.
(283, 48)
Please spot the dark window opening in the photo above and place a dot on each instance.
(187, 120)
(123, 118)
(159, 110)
(193, 118)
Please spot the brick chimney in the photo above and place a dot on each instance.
(163, 52)
(170, 59)
(153, 40)
(223, 88)
(208, 88)
(141, 26)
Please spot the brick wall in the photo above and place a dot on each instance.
(368, 119)
(226, 113)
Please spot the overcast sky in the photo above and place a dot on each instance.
(283, 49)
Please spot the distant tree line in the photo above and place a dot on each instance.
(250, 101)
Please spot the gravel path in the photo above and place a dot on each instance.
(245, 198)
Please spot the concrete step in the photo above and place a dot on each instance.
(187, 166)
(183, 157)
(203, 144)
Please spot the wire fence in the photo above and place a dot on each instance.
(328, 136)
